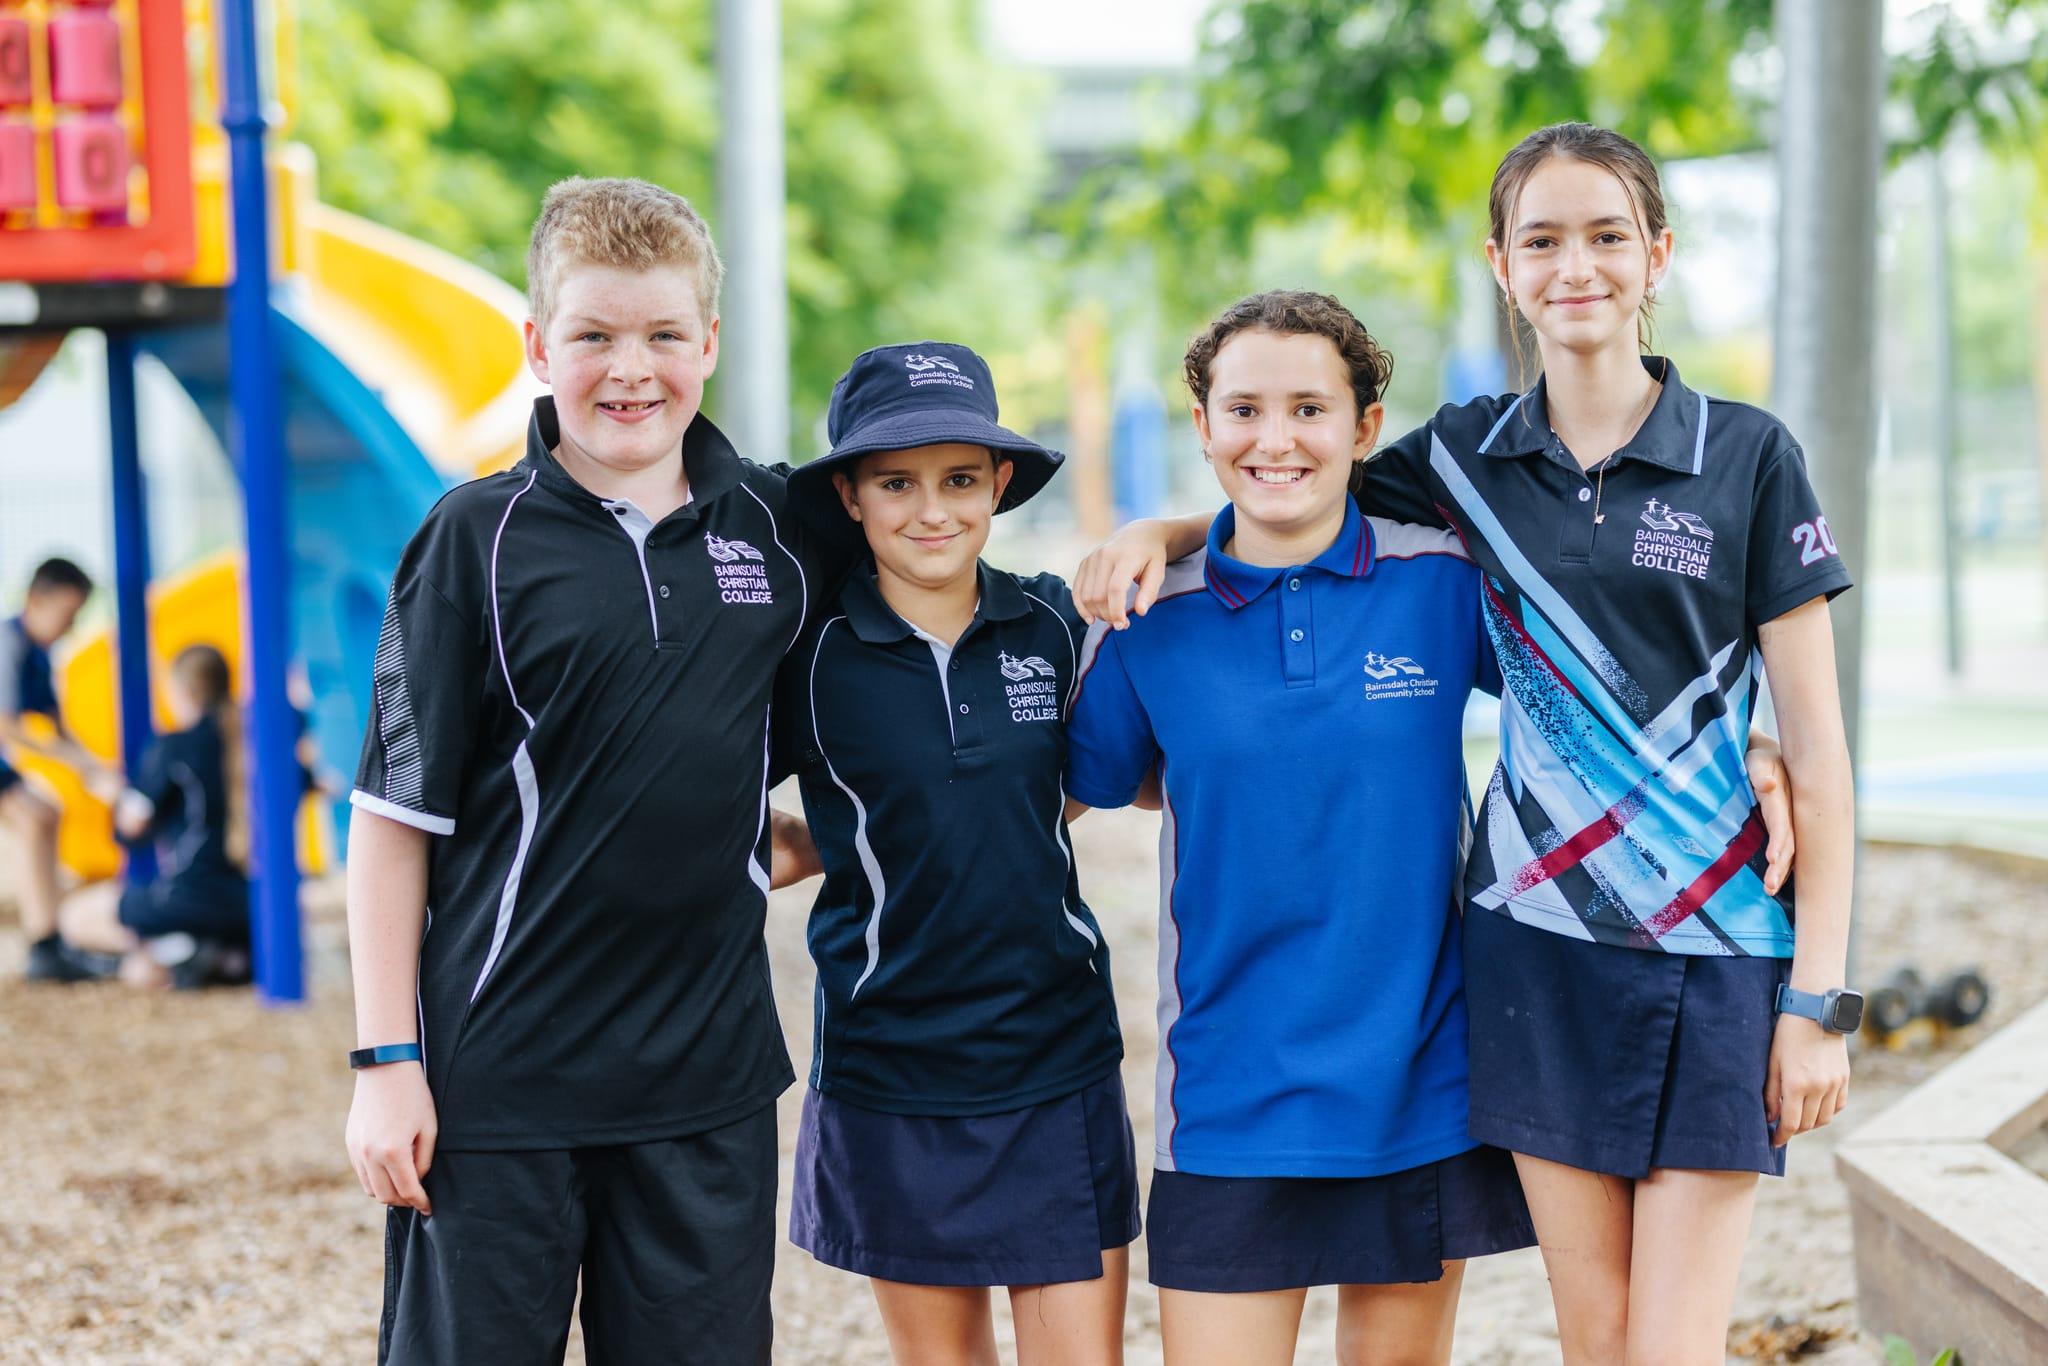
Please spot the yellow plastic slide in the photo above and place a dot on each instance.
(439, 340)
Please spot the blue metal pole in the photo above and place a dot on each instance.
(131, 572)
(258, 431)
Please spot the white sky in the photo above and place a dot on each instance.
(1095, 32)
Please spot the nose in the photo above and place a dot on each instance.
(1575, 262)
(931, 508)
(630, 362)
(1276, 435)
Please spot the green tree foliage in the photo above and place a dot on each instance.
(911, 164)
(1391, 114)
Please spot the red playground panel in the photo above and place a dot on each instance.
(95, 141)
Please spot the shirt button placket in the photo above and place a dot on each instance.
(1297, 635)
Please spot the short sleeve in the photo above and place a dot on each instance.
(1792, 554)
(1394, 483)
(790, 742)
(1110, 744)
(427, 687)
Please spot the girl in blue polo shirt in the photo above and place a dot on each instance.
(1649, 1027)
(1300, 685)
(965, 1126)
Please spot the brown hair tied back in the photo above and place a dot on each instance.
(1293, 312)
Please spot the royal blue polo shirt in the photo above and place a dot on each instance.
(573, 699)
(959, 972)
(1624, 603)
(1306, 721)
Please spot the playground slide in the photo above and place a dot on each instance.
(403, 375)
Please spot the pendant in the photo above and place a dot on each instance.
(1601, 518)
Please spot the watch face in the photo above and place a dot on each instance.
(1848, 1012)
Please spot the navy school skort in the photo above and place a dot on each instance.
(1619, 1060)
(1239, 1234)
(1030, 1197)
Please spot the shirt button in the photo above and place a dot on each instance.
(1295, 634)
(664, 590)
(963, 709)
(956, 666)
(618, 510)
(1294, 585)
(1585, 495)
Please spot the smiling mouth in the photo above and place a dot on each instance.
(1270, 476)
(640, 407)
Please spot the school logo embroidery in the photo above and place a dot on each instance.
(742, 574)
(725, 552)
(1395, 676)
(1033, 689)
(1017, 670)
(934, 370)
(1675, 542)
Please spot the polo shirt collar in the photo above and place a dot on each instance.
(709, 460)
(1672, 437)
(1235, 583)
(876, 622)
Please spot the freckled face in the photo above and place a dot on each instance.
(925, 511)
(1578, 259)
(1282, 429)
(627, 353)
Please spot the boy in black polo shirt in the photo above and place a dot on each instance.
(559, 858)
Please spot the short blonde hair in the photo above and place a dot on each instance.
(629, 224)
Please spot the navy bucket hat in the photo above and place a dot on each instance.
(895, 398)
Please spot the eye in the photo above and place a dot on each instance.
(1610, 239)
(668, 336)
(1240, 410)
(1309, 410)
(961, 480)
(895, 484)
(1540, 243)
(591, 336)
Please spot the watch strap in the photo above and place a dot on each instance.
(384, 1052)
(1808, 1005)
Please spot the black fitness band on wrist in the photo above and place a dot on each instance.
(384, 1052)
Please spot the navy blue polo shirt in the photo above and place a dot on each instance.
(27, 682)
(1307, 725)
(1624, 607)
(183, 777)
(959, 972)
(573, 698)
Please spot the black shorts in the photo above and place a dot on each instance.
(674, 1241)
(207, 909)
(1619, 1060)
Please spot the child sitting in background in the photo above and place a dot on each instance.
(190, 927)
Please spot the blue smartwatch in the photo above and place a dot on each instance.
(360, 1058)
(1838, 1010)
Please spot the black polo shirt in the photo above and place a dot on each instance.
(959, 972)
(576, 701)
(1623, 604)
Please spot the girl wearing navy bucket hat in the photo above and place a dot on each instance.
(965, 1126)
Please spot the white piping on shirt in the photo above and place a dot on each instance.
(877, 888)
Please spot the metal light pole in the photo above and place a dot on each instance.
(258, 439)
(754, 341)
(1825, 379)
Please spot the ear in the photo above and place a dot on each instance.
(1200, 413)
(1005, 467)
(1368, 436)
(536, 350)
(1497, 261)
(711, 347)
(846, 498)
(1661, 247)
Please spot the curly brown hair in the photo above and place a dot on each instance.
(1293, 312)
